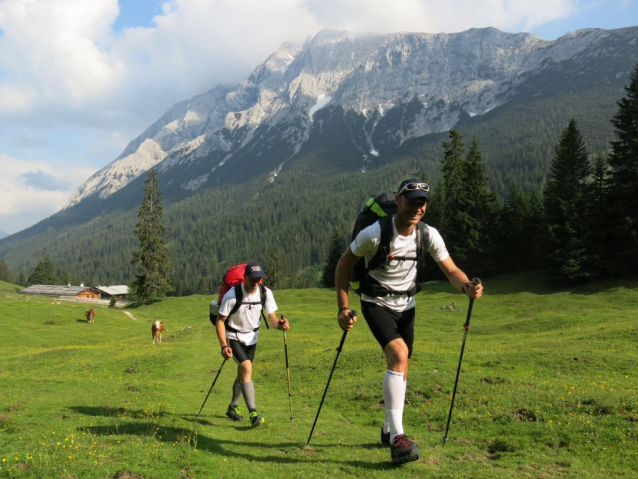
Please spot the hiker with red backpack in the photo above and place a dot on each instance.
(393, 248)
(237, 324)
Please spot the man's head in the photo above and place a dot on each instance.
(253, 275)
(412, 200)
(413, 189)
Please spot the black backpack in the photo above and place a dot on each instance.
(382, 207)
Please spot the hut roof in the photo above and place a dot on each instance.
(54, 290)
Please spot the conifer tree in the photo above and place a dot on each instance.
(5, 274)
(453, 176)
(565, 198)
(598, 206)
(521, 225)
(152, 258)
(478, 215)
(337, 247)
(623, 182)
(274, 269)
(44, 272)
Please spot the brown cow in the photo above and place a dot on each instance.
(156, 330)
(90, 315)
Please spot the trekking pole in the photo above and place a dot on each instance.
(353, 314)
(211, 388)
(466, 326)
(287, 372)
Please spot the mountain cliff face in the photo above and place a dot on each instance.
(378, 91)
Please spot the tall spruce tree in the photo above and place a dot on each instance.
(337, 247)
(623, 183)
(5, 274)
(152, 258)
(44, 272)
(478, 215)
(599, 264)
(274, 269)
(521, 226)
(453, 171)
(565, 198)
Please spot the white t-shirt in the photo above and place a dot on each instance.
(247, 317)
(397, 274)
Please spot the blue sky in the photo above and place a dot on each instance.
(80, 79)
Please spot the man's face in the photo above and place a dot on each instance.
(411, 211)
(251, 283)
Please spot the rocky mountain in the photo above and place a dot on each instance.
(383, 90)
(290, 153)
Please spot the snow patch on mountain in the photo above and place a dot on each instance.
(412, 84)
(120, 173)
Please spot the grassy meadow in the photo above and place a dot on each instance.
(548, 389)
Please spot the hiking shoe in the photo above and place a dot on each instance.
(403, 450)
(385, 438)
(256, 419)
(234, 413)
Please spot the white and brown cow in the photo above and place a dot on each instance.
(157, 328)
(90, 315)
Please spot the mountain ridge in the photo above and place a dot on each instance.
(449, 74)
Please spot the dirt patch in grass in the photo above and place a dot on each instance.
(16, 407)
(126, 475)
(131, 370)
(525, 414)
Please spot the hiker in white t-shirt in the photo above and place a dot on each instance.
(387, 301)
(238, 330)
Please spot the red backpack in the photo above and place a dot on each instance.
(234, 275)
(234, 278)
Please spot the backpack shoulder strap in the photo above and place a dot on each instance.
(262, 291)
(422, 246)
(383, 250)
(239, 297)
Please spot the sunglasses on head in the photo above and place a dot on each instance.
(414, 186)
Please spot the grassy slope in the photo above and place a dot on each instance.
(548, 389)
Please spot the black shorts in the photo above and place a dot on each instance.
(241, 352)
(387, 325)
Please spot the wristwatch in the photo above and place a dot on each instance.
(343, 308)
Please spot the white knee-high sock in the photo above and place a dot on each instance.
(394, 398)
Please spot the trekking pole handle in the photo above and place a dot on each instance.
(466, 325)
(353, 314)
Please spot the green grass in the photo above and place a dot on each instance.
(547, 389)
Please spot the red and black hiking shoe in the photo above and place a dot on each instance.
(403, 450)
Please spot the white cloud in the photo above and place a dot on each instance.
(63, 68)
(23, 193)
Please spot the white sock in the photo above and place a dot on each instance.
(394, 397)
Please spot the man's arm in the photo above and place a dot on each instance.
(342, 285)
(459, 280)
(220, 327)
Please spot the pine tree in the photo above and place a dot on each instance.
(274, 269)
(152, 258)
(478, 215)
(623, 183)
(565, 199)
(453, 176)
(337, 247)
(44, 272)
(521, 225)
(5, 274)
(598, 207)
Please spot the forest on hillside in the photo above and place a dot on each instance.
(561, 198)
